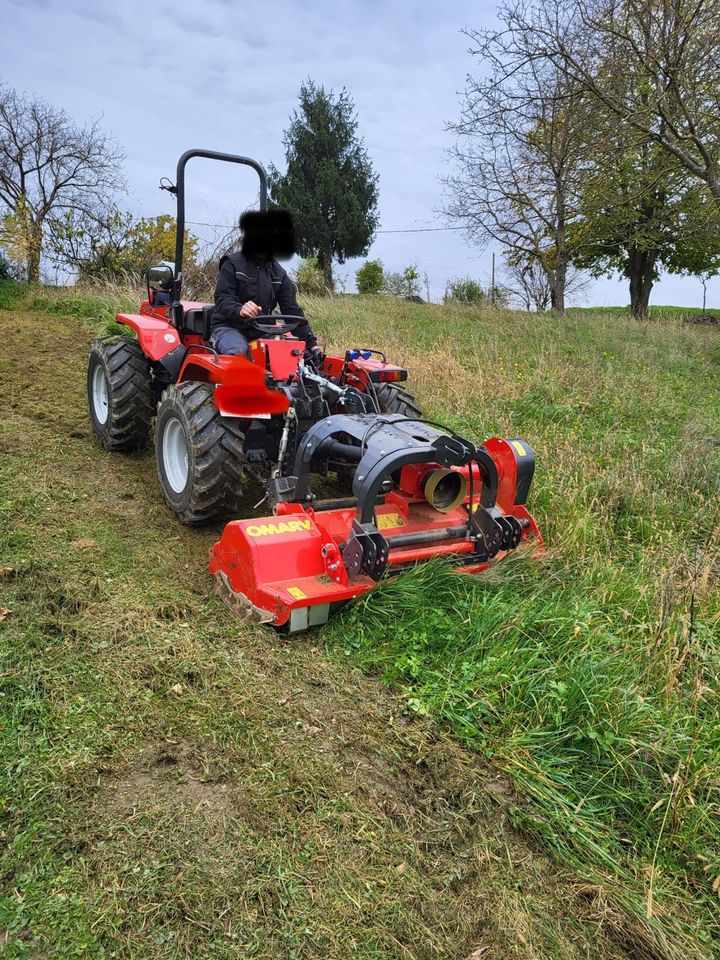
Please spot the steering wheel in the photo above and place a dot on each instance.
(274, 329)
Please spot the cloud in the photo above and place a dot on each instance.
(166, 76)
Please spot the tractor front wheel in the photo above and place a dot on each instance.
(199, 455)
(120, 393)
(394, 399)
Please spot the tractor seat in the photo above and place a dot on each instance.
(197, 320)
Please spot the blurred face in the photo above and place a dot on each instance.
(268, 235)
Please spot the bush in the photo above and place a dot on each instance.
(11, 292)
(370, 277)
(9, 270)
(467, 290)
(309, 278)
(405, 284)
(464, 290)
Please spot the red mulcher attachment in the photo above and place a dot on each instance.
(420, 492)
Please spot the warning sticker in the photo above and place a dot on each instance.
(297, 593)
(387, 521)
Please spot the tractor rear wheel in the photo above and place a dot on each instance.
(120, 393)
(394, 399)
(199, 455)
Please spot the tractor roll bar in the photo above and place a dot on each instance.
(180, 195)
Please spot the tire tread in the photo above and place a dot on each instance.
(218, 455)
(394, 399)
(131, 398)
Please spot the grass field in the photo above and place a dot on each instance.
(657, 312)
(524, 764)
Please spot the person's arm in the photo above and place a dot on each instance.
(287, 301)
(228, 308)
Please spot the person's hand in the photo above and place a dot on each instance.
(250, 310)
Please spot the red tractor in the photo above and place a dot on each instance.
(418, 489)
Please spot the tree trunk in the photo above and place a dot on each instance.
(324, 258)
(641, 272)
(557, 290)
(556, 285)
(558, 278)
(34, 249)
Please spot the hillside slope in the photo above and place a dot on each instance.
(176, 786)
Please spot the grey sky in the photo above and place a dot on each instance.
(225, 75)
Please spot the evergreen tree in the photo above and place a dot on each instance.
(330, 187)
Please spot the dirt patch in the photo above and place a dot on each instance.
(168, 775)
(710, 319)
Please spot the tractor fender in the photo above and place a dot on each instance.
(241, 387)
(156, 337)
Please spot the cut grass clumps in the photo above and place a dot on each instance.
(557, 677)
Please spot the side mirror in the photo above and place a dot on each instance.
(161, 275)
(160, 283)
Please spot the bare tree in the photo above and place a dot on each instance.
(88, 239)
(49, 166)
(521, 139)
(200, 276)
(654, 65)
(528, 285)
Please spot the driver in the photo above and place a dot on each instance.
(252, 282)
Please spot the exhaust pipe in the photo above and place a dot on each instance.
(444, 489)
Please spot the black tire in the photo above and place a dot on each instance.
(214, 455)
(394, 399)
(119, 388)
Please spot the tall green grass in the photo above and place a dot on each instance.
(11, 292)
(547, 670)
(591, 676)
(95, 304)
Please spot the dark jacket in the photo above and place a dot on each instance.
(244, 278)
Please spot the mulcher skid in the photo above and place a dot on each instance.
(419, 492)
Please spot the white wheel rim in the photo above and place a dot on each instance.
(100, 394)
(175, 454)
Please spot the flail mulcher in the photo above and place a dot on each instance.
(416, 489)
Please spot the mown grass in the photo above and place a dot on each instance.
(657, 311)
(589, 676)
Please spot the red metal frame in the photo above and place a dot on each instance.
(156, 336)
(241, 384)
(292, 560)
